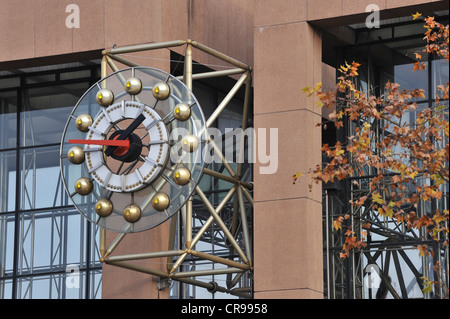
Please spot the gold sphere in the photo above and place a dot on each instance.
(160, 201)
(133, 86)
(182, 112)
(161, 91)
(189, 143)
(105, 97)
(83, 122)
(75, 155)
(103, 207)
(132, 213)
(181, 175)
(83, 186)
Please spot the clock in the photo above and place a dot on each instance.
(132, 149)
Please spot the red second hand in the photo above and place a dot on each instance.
(120, 143)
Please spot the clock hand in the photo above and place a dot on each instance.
(117, 143)
(134, 125)
(125, 133)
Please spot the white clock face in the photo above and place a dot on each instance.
(131, 152)
(148, 162)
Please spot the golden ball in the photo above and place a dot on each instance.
(76, 155)
(189, 143)
(104, 207)
(83, 122)
(181, 176)
(161, 91)
(105, 97)
(182, 112)
(83, 186)
(132, 213)
(133, 86)
(160, 201)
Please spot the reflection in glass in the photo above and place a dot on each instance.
(409, 79)
(46, 111)
(7, 180)
(8, 116)
(439, 75)
(40, 178)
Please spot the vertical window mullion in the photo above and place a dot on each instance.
(17, 193)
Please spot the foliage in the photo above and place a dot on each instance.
(410, 159)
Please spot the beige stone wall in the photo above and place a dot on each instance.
(37, 28)
(288, 218)
(273, 36)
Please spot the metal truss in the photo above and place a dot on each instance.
(390, 256)
(228, 222)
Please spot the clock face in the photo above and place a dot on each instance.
(131, 152)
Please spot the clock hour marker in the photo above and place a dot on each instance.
(156, 142)
(133, 86)
(182, 112)
(104, 207)
(76, 155)
(105, 97)
(181, 176)
(132, 213)
(151, 161)
(94, 130)
(96, 167)
(189, 143)
(161, 91)
(151, 124)
(107, 178)
(93, 149)
(160, 201)
(106, 114)
(83, 121)
(83, 186)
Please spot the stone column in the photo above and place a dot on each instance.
(288, 248)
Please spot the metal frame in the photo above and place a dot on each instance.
(26, 215)
(347, 278)
(239, 260)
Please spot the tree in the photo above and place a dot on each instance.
(409, 159)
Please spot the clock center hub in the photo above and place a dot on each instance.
(124, 153)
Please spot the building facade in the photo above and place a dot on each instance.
(51, 53)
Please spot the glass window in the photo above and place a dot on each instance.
(9, 82)
(7, 181)
(439, 74)
(40, 180)
(409, 79)
(40, 78)
(75, 75)
(5, 288)
(8, 119)
(6, 247)
(46, 111)
(53, 239)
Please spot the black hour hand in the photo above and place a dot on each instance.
(126, 133)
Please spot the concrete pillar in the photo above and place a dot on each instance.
(287, 218)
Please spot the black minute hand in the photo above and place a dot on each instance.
(125, 133)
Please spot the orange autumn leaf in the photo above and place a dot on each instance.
(416, 15)
(419, 66)
(423, 250)
(337, 223)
